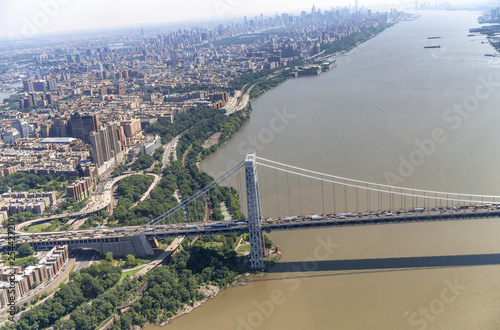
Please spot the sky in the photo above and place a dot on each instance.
(26, 18)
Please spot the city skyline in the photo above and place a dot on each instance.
(28, 18)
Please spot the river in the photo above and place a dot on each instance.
(363, 120)
(4, 95)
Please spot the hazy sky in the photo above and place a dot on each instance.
(30, 17)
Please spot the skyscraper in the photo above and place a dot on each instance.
(59, 128)
(40, 86)
(82, 125)
(21, 126)
(106, 145)
(28, 86)
(97, 154)
(51, 84)
(113, 136)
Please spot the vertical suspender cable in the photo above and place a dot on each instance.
(300, 198)
(310, 195)
(288, 193)
(322, 196)
(334, 202)
(345, 196)
(277, 191)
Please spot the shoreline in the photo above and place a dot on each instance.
(212, 292)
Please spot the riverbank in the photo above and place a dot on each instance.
(210, 292)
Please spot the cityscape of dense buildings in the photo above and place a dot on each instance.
(105, 92)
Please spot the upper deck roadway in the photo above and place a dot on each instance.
(301, 222)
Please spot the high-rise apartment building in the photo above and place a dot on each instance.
(22, 127)
(60, 128)
(83, 125)
(132, 130)
(51, 84)
(106, 145)
(28, 86)
(40, 86)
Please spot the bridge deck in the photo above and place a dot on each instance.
(43, 244)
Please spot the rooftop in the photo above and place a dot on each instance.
(63, 140)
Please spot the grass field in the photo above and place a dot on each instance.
(37, 227)
(244, 248)
(129, 273)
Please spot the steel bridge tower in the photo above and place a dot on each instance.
(254, 214)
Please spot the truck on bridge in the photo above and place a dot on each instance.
(314, 217)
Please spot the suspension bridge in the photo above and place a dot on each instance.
(300, 199)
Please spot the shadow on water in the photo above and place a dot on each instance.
(361, 266)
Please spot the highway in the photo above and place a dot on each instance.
(238, 102)
(169, 148)
(155, 182)
(167, 253)
(98, 202)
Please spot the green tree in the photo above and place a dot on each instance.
(131, 261)
(157, 170)
(25, 250)
(109, 256)
(267, 242)
(72, 275)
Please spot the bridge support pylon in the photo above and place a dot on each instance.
(254, 214)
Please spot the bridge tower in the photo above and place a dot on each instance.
(254, 214)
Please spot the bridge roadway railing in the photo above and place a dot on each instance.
(200, 232)
(268, 227)
(47, 245)
(407, 218)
